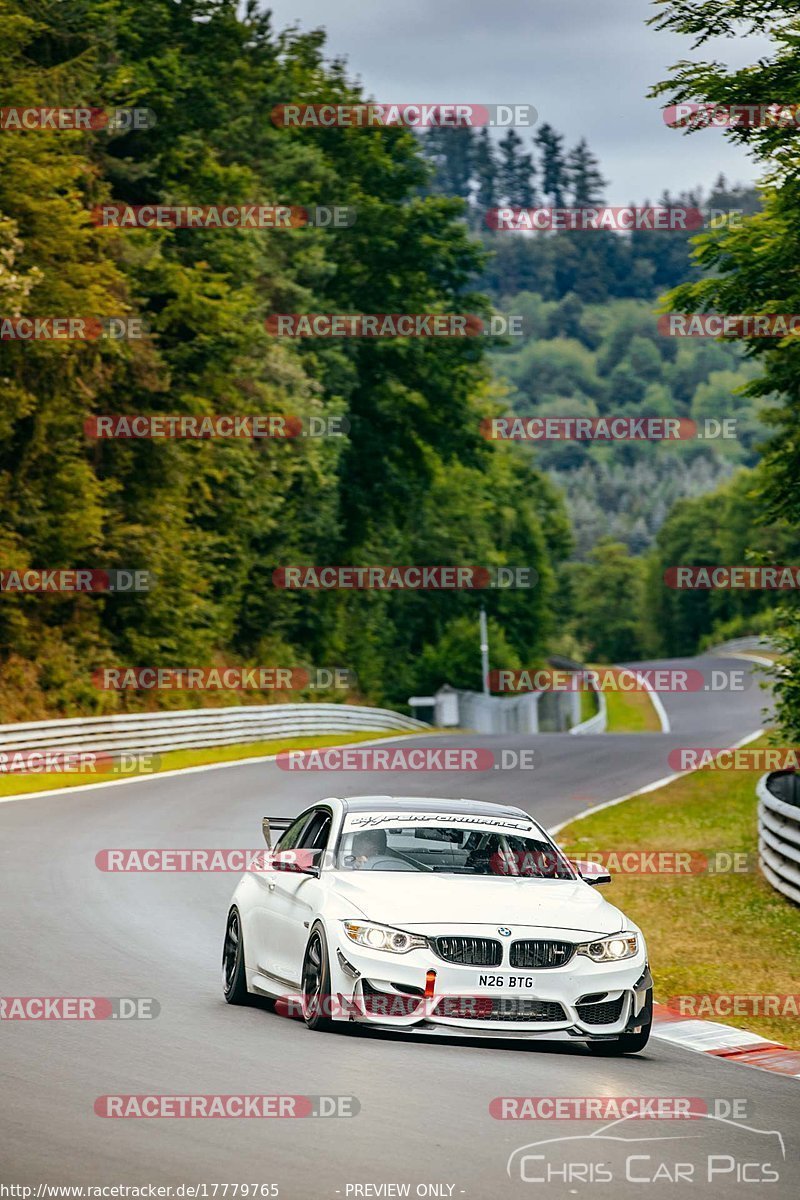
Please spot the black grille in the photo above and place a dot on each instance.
(387, 1004)
(541, 954)
(498, 1008)
(469, 951)
(601, 1014)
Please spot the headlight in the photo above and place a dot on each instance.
(624, 945)
(383, 937)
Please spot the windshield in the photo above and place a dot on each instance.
(451, 850)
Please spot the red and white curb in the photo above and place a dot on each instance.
(724, 1041)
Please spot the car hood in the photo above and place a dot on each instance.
(391, 898)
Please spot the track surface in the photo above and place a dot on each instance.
(70, 929)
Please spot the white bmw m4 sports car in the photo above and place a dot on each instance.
(497, 934)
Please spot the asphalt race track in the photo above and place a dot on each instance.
(70, 929)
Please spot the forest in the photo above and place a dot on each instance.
(404, 476)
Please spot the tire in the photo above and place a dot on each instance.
(234, 976)
(626, 1043)
(316, 983)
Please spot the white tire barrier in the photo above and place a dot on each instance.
(779, 831)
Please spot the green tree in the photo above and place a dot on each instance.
(729, 526)
(456, 660)
(608, 603)
(516, 172)
(586, 182)
(745, 264)
(452, 152)
(554, 171)
(486, 175)
(413, 481)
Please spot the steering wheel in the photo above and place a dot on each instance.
(386, 862)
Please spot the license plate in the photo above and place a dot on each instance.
(510, 983)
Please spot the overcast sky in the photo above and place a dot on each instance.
(586, 66)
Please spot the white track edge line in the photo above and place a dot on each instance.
(648, 787)
(655, 700)
(234, 762)
(685, 1043)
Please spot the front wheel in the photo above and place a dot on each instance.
(626, 1043)
(234, 978)
(317, 983)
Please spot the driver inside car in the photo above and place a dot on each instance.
(369, 846)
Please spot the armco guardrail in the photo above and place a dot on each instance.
(599, 722)
(743, 645)
(779, 831)
(530, 712)
(187, 729)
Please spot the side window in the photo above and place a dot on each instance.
(315, 836)
(290, 838)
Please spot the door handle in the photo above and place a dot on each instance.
(271, 885)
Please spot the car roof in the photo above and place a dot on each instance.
(484, 808)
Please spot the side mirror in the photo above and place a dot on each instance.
(297, 862)
(592, 873)
(265, 829)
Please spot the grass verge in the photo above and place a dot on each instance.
(590, 705)
(629, 712)
(706, 933)
(172, 760)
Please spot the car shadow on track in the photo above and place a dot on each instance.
(527, 1046)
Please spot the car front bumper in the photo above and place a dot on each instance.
(581, 999)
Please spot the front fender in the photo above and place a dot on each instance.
(245, 898)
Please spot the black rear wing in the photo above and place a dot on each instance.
(276, 823)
